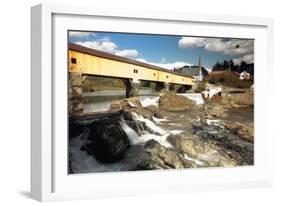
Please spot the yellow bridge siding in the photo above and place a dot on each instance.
(94, 65)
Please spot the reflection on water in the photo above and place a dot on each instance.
(101, 101)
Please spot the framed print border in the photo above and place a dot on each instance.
(47, 177)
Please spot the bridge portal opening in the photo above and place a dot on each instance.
(183, 88)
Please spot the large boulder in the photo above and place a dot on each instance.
(203, 150)
(171, 158)
(189, 145)
(154, 109)
(152, 163)
(146, 113)
(107, 141)
(172, 102)
(243, 131)
(74, 128)
(130, 105)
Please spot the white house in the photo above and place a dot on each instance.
(244, 75)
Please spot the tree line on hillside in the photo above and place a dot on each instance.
(229, 65)
(204, 71)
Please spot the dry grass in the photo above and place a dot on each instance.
(229, 78)
(242, 98)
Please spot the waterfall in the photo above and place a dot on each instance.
(197, 97)
(149, 100)
(132, 135)
(81, 162)
(160, 134)
(151, 125)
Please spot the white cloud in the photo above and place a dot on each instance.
(186, 42)
(142, 60)
(80, 34)
(105, 46)
(129, 53)
(108, 46)
(169, 66)
(249, 58)
(238, 48)
(215, 45)
(105, 38)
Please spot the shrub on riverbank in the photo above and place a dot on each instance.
(229, 78)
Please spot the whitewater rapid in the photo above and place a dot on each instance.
(81, 162)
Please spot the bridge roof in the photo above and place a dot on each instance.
(94, 52)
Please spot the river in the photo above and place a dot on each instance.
(100, 101)
(171, 124)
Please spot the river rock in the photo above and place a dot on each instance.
(170, 157)
(107, 141)
(74, 128)
(228, 140)
(152, 163)
(154, 109)
(215, 110)
(130, 102)
(146, 113)
(201, 149)
(245, 132)
(188, 144)
(172, 102)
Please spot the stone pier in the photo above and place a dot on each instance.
(166, 86)
(132, 87)
(75, 103)
(162, 85)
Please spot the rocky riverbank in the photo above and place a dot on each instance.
(166, 132)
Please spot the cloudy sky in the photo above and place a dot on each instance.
(168, 51)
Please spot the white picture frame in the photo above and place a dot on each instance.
(49, 179)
